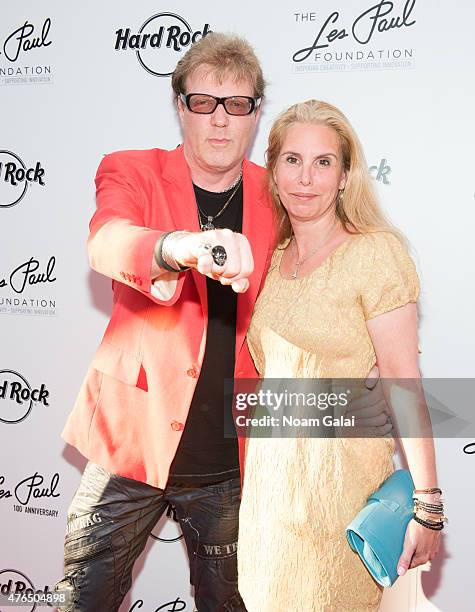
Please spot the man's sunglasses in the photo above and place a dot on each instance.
(205, 104)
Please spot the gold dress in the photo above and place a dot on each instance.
(299, 494)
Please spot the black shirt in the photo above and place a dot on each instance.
(204, 455)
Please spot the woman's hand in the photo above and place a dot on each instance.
(420, 545)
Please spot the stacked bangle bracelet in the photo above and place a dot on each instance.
(429, 514)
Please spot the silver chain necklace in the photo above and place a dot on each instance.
(319, 246)
(210, 218)
(232, 184)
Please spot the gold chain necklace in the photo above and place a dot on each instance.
(209, 224)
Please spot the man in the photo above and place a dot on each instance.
(149, 415)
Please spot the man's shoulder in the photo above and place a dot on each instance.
(256, 177)
(137, 156)
(142, 162)
(253, 168)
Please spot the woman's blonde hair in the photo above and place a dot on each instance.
(357, 208)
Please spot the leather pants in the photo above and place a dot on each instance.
(109, 521)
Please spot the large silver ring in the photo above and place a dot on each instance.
(219, 255)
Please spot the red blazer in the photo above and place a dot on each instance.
(132, 406)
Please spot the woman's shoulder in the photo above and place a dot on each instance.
(382, 239)
(387, 276)
(377, 245)
(381, 252)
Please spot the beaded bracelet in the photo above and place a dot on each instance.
(434, 526)
(433, 516)
(418, 502)
(439, 510)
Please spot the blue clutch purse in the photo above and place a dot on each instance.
(377, 531)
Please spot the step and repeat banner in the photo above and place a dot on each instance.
(81, 79)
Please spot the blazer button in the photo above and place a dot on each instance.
(192, 372)
(177, 426)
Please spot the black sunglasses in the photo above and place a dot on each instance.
(204, 104)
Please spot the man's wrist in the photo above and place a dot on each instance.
(163, 252)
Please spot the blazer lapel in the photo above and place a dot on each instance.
(183, 208)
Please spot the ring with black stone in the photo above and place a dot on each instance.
(219, 255)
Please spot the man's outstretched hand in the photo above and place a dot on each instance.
(194, 249)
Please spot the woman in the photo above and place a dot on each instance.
(341, 292)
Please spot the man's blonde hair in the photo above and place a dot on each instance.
(226, 56)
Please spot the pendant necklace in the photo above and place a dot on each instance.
(322, 243)
(211, 218)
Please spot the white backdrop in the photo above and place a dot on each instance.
(68, 96)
